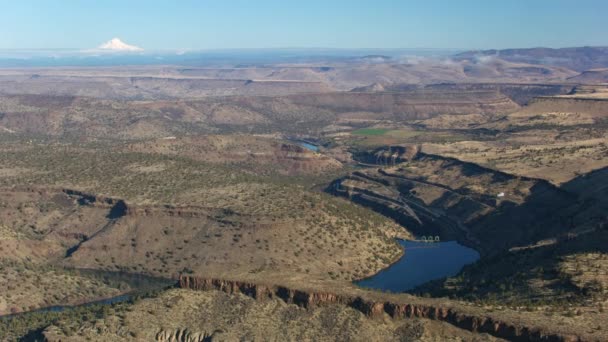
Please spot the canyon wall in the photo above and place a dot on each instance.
(376, 309)
(594, 107)
(411, 105)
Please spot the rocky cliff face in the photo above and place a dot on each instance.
(182, 335)
(377, 309)
(594, 107)
(387, 155)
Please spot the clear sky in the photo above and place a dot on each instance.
(213, 24)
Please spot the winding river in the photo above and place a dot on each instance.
(421, 263)
(139, 284)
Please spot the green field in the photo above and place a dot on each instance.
(371, 131)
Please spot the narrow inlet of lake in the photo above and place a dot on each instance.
(306, 145)
(421, 262)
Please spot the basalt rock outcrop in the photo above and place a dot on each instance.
(378, 308)
(387, 155)
(183, 335)
(595, 107)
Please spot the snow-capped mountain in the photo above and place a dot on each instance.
(116, 44)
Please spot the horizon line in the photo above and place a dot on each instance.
(71, 49)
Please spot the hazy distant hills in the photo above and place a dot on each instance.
(575, 58)
(194, 74)
(225, 57)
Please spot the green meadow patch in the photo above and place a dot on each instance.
(371, 131)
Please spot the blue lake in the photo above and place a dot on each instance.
(308, 146)
(421, 262)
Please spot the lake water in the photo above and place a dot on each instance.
(421, 262)
(308, 146)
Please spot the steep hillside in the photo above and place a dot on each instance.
(487, 209)
(566, 276)
(567, 272)
(38, 228)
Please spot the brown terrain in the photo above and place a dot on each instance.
(199, 177)
(261, 152)
(235, 316)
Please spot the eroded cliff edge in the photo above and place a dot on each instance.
(395, 307)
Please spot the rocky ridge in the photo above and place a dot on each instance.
(378, 308)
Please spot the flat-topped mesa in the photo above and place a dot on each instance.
(410, 105)
(376, 309)
(587, 102)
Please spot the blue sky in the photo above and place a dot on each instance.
(218, 24)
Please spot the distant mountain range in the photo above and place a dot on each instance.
(340, 69)
(116, 52)
(574, 58)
